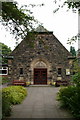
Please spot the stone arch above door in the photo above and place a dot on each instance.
(40, 64)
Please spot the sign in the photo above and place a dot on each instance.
(67, 71)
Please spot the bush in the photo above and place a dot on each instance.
(76, 79)
(15, 94)
(12, 95)
(6, 106)
(5, 80)
(70, 98)
(64, 95)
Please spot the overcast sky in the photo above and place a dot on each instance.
(63, 24)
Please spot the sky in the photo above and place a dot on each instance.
(63, 24)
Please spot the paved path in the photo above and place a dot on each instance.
(40, 103)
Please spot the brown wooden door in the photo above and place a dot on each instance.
(40, 76)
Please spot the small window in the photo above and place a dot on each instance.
(59, 71)
(4, 71)
(21, 71)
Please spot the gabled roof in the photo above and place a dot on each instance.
(23, 45)
(40, 28)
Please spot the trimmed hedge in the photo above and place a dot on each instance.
(10, 96)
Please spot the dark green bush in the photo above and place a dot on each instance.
(6, 106)
(76, 79)
(65, 94)
(70, 99)
(10, 96)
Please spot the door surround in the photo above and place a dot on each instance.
(40, 63)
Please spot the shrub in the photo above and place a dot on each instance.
(70, 98)
(64, 95)
(12, 95)
(5, 79)
(6, 106)
(76, 79)
(15, 94)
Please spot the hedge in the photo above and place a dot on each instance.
(10, 96)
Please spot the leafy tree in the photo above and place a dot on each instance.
(4, 50)
(71, 4)
(17, 20)
(72, 51)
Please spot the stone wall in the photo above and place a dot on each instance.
(47, 49)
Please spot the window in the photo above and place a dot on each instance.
(38, 44)
(3, 70)
(21, 71)
(59, 71)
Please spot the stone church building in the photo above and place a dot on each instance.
(43, 62)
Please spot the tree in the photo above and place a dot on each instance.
(17, 20)
(71, 4)
(72, 51)
(4, 50)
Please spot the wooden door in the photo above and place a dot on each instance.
(40, 76)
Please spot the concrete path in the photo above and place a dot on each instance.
(40, 103)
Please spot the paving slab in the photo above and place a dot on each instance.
(40, 103)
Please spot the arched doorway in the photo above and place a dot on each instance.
(40, 71)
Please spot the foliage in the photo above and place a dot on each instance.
(4, 79)
(18, 20)
(72, 40)
(6, 106)
(10, 96)
(15, 93)
(73, 4)
(70, 99)
(76, 79)
(72, 51)
(76, 67)
(30, 38)
(4, 50)
(70, 96)
(64, 95)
